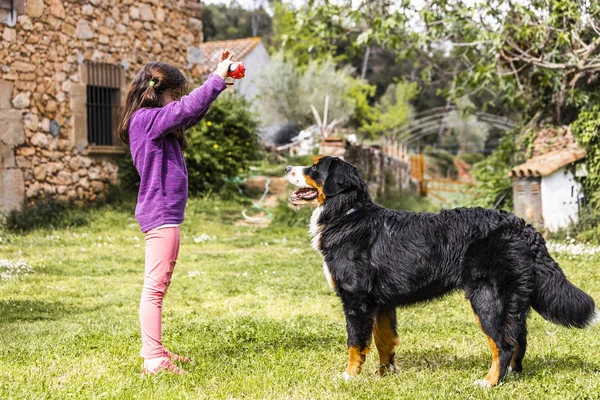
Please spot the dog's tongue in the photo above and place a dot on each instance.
(304, 193)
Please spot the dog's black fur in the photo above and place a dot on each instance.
(380, 259)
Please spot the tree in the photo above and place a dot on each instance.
(222, 22)
(287, 91)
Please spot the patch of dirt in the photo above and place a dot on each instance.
(254, 187)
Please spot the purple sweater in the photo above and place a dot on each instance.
(158, 157)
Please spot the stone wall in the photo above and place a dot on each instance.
(41, 82)
(382, 172)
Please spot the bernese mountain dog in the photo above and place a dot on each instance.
(377, 259)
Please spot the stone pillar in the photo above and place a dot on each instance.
(12, 184)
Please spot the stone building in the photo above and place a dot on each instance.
(64, 70)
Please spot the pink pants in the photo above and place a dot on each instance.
(162, 248)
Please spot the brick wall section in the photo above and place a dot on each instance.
(41, 58)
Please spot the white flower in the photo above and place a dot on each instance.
(573, 248)
(9, 270)
(204, 238)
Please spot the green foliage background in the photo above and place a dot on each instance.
(222, 146)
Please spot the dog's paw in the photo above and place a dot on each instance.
(346, 376)
(384, 370)
(515, 370)
(482, 383)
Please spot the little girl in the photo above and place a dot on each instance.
(155, 118)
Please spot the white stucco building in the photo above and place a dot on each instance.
(546, 193)
(250, 51)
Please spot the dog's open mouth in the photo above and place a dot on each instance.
(306, 194)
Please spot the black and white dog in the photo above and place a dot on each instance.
(377, 259)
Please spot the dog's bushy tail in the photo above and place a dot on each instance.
(554, 297)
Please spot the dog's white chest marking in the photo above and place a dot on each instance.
(315, 231)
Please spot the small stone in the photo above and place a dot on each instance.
(84, 31)
(57, 9)
(74, 163)
(31, 122)
(49, 189)
(39, 140)
(21, 100)
(33, 190)
(45, 125)
(66, 86)
(109, 22)
(97, 186)
(94, 173)
(40, 172)
(27, 151)
(134, 13)
(160, 15)
(195, 24)
(146, 13)
(87, 9)
(22, 162)
(21, 66)
(25, 22)
(9, 34)
(51, 106)
(64, 178)
(34, 8)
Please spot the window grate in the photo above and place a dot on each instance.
(103, 100)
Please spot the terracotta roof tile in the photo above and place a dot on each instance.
(211, 51)
(548, 163)
(553, 148)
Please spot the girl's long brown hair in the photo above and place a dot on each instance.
(144, 94)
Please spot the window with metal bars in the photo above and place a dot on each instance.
(17, 6)
(103, 100)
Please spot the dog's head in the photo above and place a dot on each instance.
(327, 178)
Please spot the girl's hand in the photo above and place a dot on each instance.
(225, 54)
(224, 63)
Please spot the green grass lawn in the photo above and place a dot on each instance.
(252, 309)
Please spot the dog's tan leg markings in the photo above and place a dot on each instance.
(386, 340)
(356, 358)
(493, 376)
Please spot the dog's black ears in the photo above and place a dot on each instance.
(341, 176)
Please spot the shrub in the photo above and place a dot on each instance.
(222, 145)
(48, 214)
(128, 176)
